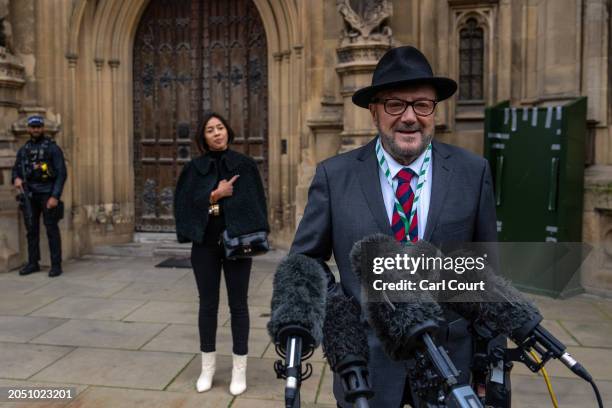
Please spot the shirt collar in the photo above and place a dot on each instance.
(395, 167)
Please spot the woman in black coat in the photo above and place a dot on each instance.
(219, 190)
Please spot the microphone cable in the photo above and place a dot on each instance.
(597, 394)
(588, 378)
(551, 392)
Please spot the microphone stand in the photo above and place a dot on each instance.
(532, 337)
(547, 346)
(434, 378)
(289, 345)
(353, 372)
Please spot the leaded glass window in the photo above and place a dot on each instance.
(471, 61)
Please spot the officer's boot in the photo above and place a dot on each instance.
(56, 270)
(29, 268)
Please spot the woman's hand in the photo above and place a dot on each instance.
(224, 189)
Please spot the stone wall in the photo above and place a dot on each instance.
(72, 60)
(537, 53)
(14, 74)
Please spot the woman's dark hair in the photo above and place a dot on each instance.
(199, 136)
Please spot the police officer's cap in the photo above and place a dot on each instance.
(36, 120)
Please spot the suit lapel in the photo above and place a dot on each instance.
(370, 186)
(442, 172)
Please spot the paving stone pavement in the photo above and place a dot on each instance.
(124, 333)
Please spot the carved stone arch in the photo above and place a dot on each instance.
(290, 21)
(74, 26)
(481, 17)
(130, 15)
(105, 25)
(99, 52)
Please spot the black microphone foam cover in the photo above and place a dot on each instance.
(503, 308)
(298, 297)
(389, 247)
(356, 254)
(422, 248)
(344, 334)
(400, 328)
(514, 315)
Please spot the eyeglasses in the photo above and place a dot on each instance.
(396, 107)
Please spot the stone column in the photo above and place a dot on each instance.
(597, 216)
(596, 276)
(12, 81)
(596, 64)
(365, 38)
(81, 242)
(322, 142)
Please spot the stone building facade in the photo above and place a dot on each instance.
(123, 84)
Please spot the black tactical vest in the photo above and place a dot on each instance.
(37, 161)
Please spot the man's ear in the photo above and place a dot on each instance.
(372, 108)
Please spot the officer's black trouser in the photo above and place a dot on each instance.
(39, 205)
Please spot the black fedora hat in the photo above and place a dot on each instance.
(403, 66)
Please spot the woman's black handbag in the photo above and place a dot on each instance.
(245, 246)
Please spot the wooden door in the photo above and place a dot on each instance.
(193, 56)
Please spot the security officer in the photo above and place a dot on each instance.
(45, 174)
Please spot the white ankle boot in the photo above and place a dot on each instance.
(238, 385)
(208, 371)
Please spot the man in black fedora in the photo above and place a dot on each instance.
(354, 195)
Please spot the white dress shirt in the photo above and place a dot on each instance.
(389, 194)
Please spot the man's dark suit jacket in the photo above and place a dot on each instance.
(345, 204)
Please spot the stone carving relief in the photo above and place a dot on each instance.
(5, 27)
(365, 38)
(365, 20)
(12, 71)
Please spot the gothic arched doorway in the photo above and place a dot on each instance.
(191, 56)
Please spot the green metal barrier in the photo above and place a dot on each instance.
(536, 156)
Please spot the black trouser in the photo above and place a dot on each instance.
(207, 261)
(39, 206)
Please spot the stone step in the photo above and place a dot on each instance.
(147, 244)
(176, 250)
(155, 237)
(164, 245)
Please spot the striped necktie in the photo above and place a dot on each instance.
(405, 196)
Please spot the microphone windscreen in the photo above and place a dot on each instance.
(356, 254)
(465, 303)
(400, 327)
(503, 308)
(419, 251)
(511, 313)
(298, 297)
(388, 247)
(422, 248)
(344, 335)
